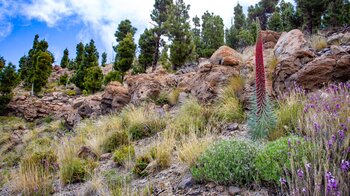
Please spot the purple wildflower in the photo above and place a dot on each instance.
(308, 166)
(303, 190)
(289, 144)
(283, 181)
(337, 106)
(300, 173)
(341, 134)
(317, 126)
(332, 184)
(345, 165)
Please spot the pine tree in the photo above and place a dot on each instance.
(312, 10)
(239, 17)
(42, 70)
(182, 45)
(275, 22)
(65, 59)
(126, 53)
(91, 55)
(263, 9)
(80, 55)
(124, 28)
(159, 15)
(212, 33)
(196, 31)
(335, 14)
(104, 59)
(37, 66)
(287, 16)
(86, 57)
(8, 81)
(147, 45)
(93, 79)
(2, 62)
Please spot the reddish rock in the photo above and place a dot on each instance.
(144, 86)
(226, 56)
(114, 98)
(292, 52)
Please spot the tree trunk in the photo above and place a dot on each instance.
(309, 22)
(156, 53)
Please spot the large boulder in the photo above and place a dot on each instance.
(270, 38)
(144, 86)
(330, 67)
(206, 83)
(292, 52)
(298, 64)
(226, 56)
(114, 98)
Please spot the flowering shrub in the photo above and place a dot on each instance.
(324, 125)
(230, 161)
(273, 159)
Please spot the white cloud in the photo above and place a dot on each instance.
(101, 17)
(5, 29)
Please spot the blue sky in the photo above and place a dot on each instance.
(64, 23)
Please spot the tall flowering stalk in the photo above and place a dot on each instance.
(261, 118)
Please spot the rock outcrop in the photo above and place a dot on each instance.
(206, 83)
(292, 52)
(270, 38)
(144, 86)
(226, 56)
(299, 64)
(114, 98)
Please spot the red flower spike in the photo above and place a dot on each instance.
(260, 80)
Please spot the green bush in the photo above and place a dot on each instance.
(140, 165)
(227, 162)
(191, 117)
(123, 154)
(71, 92)
(113, 76)
(287, 115)
(161, 99)
(115, 140)
(273, 159)
(63, 79)
(72, 171)
(141, 122)
(45, 159)
(116, 182)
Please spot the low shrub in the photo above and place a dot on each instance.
(63, 79)
(288, 112)
(113, 76)
(73, 170)
(173, 96)
(227, 162)
(191, 117)
(124, 153)
(141, 122)
(70, 92)
(274, 159)
(140, 165)
(115, 181)
(115, 140)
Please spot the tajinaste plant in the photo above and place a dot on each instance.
(261, 118)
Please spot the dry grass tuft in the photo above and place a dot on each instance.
(191, 147)
(318, 42)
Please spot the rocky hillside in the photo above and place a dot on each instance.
(145, 136)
